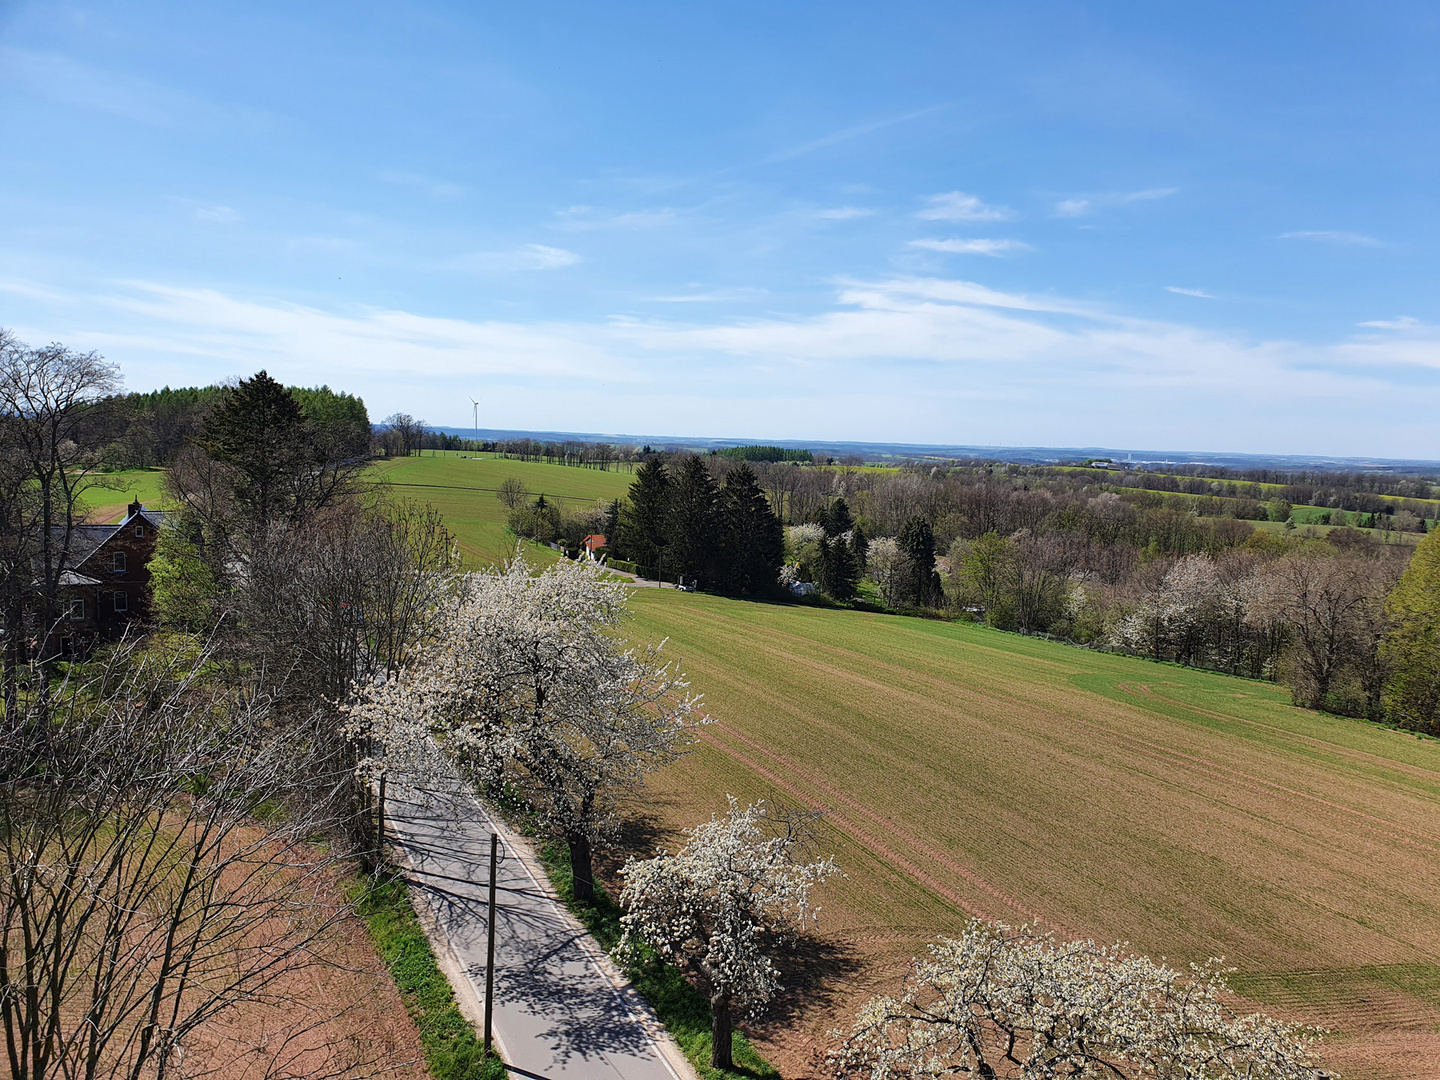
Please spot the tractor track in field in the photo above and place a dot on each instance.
(870, 842)
(950, 687)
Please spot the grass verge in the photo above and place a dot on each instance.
(452, 1049)
(678, 1004)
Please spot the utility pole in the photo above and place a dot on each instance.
(490, 944)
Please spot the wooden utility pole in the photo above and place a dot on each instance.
(490, 944)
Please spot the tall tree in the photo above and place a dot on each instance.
(695, 535)
(1412, 648)
(258, 430)
(51, 401)
(755, 542)
(859, 547)
(836, 518)
(263, 464)
(645, 516)
(532, 692)
(920, 585)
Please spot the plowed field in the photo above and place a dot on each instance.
(970, 771)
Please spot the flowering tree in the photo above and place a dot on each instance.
(1173, 618)
(887, 562)
(529, 690)
(719, 906)
(1003, 1003)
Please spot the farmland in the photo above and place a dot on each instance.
(969, 771)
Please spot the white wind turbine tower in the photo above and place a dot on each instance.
(477, 418)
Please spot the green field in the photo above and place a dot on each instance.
(970, 771)
(113, 491)
(463, 488)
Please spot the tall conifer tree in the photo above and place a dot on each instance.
(755, 542)
(644, 519)
(921, 584)
(696, 539)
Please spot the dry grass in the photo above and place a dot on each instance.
(969, 771)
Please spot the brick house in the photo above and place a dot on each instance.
(106, 578)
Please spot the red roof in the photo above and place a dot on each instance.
(594, 542)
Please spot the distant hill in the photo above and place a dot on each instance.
(1035, 455)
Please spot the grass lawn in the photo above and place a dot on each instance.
(970, 771)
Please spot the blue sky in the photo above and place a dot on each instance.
(1209, 227)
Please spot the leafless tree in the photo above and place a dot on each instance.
(50, 399)
(406, 431)
(157, 871)
(511, 492)
(1321, 599)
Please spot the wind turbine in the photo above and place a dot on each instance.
(477, 418)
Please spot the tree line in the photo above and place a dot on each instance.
(679, 522)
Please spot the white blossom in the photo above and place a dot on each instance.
(719, 905)
(1020, 1005)
(530, 690)
(885, 561)
(808, 533)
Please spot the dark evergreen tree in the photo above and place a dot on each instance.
(612, 530)
(920, 584)
(837, 520)
(696, 538)
(259, 430)
(755, 541)
(859, 548)
(838, 574)
(644, 519)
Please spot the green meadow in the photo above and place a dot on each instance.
(464, 487)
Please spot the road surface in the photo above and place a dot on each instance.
(561, 1008)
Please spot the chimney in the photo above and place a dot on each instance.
(134, 508)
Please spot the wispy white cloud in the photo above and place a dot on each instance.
(1083, 206)
(527, 257)
(1400, 322)
(844, 213)
(1201, 293)
(245, 335)
(958, 206)
(217, 215)
(586, 218)
(1331, 236)
(846, 134)
(972, 247)
(1064, 370)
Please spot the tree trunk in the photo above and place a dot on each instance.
(581, 872)
(721, 1031)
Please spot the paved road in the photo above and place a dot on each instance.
(561, 1010)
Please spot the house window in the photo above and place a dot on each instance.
(119, 562)
(77, 610)
(139, 532)
(122, 602)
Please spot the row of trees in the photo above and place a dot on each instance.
(681, 523)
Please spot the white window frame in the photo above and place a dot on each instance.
(117, 561)
(122, 602)
(77, 609)
(140, 532)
